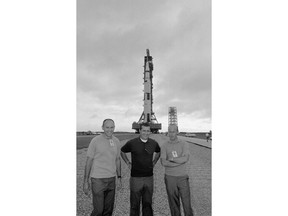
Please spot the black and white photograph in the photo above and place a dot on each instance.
(144, 134)
(111, 107)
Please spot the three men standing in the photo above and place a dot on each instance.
(141, 181)
(102, 164)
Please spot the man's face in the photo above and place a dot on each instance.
(172, 132)
(144, 133)
(108, 128)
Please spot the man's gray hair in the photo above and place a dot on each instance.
(105, 120)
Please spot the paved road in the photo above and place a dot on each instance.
(200, 184)
(201, 142)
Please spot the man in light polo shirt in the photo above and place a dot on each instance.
(102, 165)
(174, 157)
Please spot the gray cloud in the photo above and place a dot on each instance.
(112, 37)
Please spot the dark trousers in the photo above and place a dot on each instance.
(141, 189)
(103, 190)
(178, 187)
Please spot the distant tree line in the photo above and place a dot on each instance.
(80, 133)
(87, 133)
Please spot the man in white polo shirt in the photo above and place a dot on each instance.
(102, 165)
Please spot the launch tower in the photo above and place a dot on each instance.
(172, 116)
(148, 114)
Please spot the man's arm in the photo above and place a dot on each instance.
(156, 158)
(118, 159)
(164, 160)
(88, 167)
(185, 157)
(126, 160)
(118, 166)
(180, 160)
(86, 183)
(167, 163)
(118, 171)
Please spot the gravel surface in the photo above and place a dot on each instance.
(199, 171)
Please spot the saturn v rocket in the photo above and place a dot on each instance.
(148, 114)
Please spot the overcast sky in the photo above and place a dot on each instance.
(112, 38)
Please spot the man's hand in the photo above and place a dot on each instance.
(86, 187)
(154, 163)
(129, 165)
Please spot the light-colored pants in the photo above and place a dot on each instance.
(176, 187)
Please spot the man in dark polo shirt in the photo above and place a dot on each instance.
(141, 182)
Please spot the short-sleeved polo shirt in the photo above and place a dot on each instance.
(104, 152)
(142, 156)
(180, 148)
